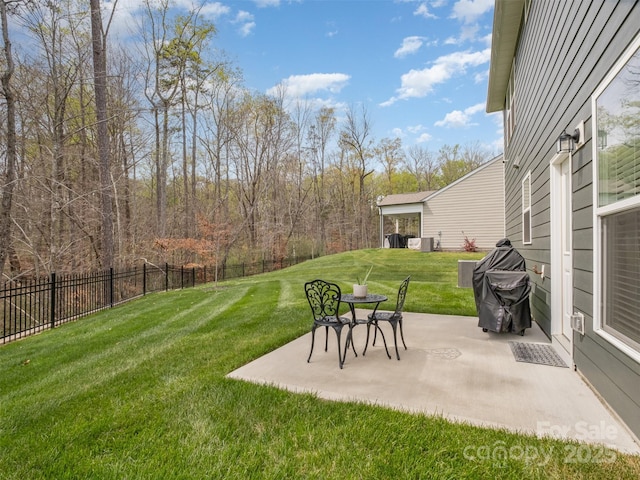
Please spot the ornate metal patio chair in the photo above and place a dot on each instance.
(324, 300)
(394, 318)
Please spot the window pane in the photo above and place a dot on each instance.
(526, 226)
(526, 209)
(526, 192)
(618, 135)
(621, 274)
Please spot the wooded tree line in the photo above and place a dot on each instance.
(112, 152)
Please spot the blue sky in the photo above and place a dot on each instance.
(419, 67)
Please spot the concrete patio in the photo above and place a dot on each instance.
(451, 369)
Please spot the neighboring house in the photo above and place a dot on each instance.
(472, 206)
(574, 213)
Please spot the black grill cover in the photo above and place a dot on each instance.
(501, 288)
(505, 302)
(396, 240)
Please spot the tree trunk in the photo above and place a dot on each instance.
(100, 79)
(10, 177)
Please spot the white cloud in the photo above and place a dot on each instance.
(246, 20)
(214, 10)
(246, 29)
(266, 3)
(425, 137)
(129, 13)
(302, 85)
(243, 16)
(460, 119)
(415, 128)
(481, 76)
(467, 34)
(332, 29)
(420, 83)
(409, 46)
(398, 133)
(423, 11)
(469, 11)
(497, 119)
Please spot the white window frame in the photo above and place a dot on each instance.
(526, 209)
(510, 105)
(599, 213)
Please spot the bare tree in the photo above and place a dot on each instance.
(215, 138)
(163, 72)
(46, 21)
(99, 40)
(390, 153)
(10, 169)
(422, 164)
(475, 154)
(192, 36)
(320, 133)
(356, 142)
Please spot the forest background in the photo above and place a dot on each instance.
(112, 155)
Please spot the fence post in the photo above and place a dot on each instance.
(111, 287)
(52, 300)
(193, 282)
(144, 279)
(166, 276)
(181, 276)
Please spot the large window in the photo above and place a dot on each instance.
(617, 153)
(621, 275)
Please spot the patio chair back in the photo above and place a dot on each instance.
(394, 318)
(324, 299)
(402, 294)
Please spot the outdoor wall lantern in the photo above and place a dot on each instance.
(566, 142)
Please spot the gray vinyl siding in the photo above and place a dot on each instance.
(565, 51)
(474, 205)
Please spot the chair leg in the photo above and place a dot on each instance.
(394, 326)
(341, 357)
(313, 338)
(384, 340)
(402, 334)
(326, 339)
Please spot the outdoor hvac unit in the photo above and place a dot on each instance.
(577, 322)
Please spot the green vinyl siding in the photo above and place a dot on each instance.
(559, 64)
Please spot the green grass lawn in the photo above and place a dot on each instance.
(139, 392)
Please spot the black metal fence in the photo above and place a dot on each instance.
(28, 307)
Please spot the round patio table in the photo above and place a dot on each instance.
(352, 300)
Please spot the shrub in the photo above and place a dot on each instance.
(469, 244)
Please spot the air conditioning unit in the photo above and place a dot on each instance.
(577, 322)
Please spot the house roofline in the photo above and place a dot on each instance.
(462, 179)
(507, 18)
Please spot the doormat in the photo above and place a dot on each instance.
(539, 353)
